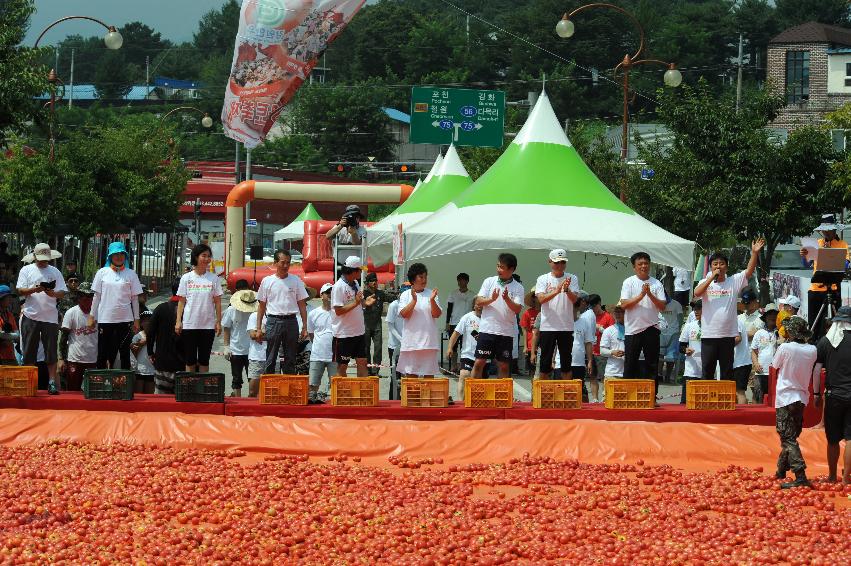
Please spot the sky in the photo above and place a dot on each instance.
(176, 20)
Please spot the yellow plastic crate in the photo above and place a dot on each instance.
(711, 395)
(18, 381)
(354, 391)
(630, 394)
(557, 394)
(432, 392)
(489, 393)
(277, 389)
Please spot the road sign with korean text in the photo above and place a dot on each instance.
(461, 116)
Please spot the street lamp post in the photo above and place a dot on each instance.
(206, 121)
(565, 28)
(112, 40)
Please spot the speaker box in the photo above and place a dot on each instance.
(256, 252)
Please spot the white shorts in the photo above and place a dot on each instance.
(419, 362)
(256, 369)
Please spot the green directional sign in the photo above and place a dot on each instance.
(457, 115)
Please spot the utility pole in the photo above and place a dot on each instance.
(71, 91)
(147, 71)
(739, 83)
(247, 178)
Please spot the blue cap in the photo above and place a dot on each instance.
(5, 291)
(115, 248)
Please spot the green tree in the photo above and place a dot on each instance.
(723, 177)
(757, 21)
(217, 29)
(114, 76)
(795, 12)
(841, 168)
(22, 79)
(106, 179)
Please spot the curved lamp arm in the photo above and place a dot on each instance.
(206, 121)
(617, 9)
(109, 28)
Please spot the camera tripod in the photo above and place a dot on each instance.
(827, 309)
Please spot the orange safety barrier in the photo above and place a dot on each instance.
(689, 446)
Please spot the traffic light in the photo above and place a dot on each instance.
(339, 167)
(404, 167)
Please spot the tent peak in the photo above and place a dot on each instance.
(434, 168)
(451, 164)
(542, 125)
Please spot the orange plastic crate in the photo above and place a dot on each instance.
(433, 392)
(277, 389)
(710, 395)
(489, 393)
(630, 394)
(18, 381)
(557, 394)
(354, 391)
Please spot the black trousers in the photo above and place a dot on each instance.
(375, 338)
(648, 342)
(114, 339)
(238, 365)
(549, 341)
(717, 351)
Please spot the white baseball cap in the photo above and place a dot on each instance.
(353, 262)
(325, 288)
(793, 301)
(781, 301)
(558, 256)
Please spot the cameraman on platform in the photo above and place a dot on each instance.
(354, 232)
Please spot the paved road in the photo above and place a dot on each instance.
(522, 384)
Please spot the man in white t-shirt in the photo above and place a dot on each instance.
(642, 298)
(322, 336)
(459, 303)
(556, 291)
(797, 368)
(501, 299)
(281, 298)
(395, 328)
(347, 324)
(42, 285)
(720, 294)
(672, 314)
(762, 347)
(741, 362)
(78, 346)
(466, 331)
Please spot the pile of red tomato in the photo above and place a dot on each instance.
(99, 504)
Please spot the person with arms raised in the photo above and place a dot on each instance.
(719, 295)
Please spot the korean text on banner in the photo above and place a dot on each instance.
(277, 46)
(398, 245)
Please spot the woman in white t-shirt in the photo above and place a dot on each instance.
(199, 310)
(420, 308)
(115, 307)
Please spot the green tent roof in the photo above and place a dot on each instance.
(309, 213)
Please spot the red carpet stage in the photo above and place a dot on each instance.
(391, 410)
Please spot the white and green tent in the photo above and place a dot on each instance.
(540, 195)
(446, 180)
(295, 229)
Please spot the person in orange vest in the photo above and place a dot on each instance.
(815, 298)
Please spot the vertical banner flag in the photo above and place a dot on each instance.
(277, 46)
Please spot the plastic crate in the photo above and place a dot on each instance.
(432, 392)
(277, 389)
(18, 381)
(115, 384)
(192, 387)
(630, 394)
(711, 395)
(354, 391)
(557, 394)
(490, 393)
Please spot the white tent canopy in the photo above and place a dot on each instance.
(538, 196)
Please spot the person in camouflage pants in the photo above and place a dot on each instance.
(790, 422)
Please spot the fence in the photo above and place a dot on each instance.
(157, 256)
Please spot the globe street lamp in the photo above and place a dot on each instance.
(565, 28)
(112, 40)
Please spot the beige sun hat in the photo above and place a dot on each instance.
(41, 252)
(244, 301)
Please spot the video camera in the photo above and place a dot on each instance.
(352, 220)
(48, 284)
